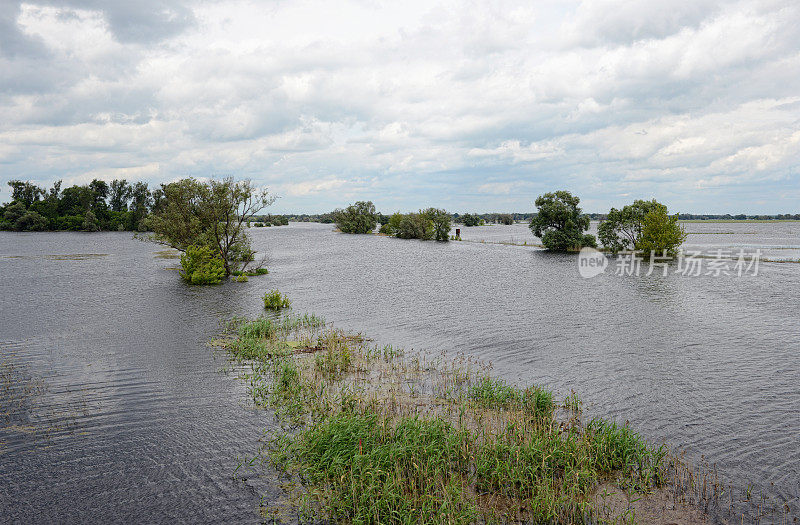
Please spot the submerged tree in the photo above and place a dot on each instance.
(357, 218)
(560, 223)
(661, 233)
(622, 229)
(212, 214)
(441, 223)
(625, 229)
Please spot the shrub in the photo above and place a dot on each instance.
(201, 265)
(274, 300)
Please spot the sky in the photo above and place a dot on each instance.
(467, 106)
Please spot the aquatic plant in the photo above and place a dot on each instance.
(274, 300)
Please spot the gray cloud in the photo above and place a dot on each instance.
(479, 106)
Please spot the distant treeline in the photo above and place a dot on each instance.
(91, 207)
(501, 218)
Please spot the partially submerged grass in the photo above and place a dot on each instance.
(374, 436)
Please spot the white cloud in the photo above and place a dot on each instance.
(433, 102)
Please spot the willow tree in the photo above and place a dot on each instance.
(211, 214)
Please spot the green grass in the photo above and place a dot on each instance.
(373, 436)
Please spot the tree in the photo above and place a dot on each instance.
(622, 229)
(14, 211)
(470, 220)
(31, 221)
(211, 214)
(661, 233)
(560, 223)
(25, 192)
(90, 223)
(441, 223)
(120, 194)
(505, 218)
(356, 218)
(415, 226)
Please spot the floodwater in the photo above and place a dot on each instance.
(113, 409)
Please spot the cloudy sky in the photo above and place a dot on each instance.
(465, 105)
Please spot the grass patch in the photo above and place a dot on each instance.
(370, 435)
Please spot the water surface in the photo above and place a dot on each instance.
(126, 416)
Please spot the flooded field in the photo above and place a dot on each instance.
(114, 409)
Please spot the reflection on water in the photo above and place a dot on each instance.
(145, 427)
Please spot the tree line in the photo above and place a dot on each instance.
(90, 207)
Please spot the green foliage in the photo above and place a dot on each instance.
(441, 223)
(213, 213)
(274, 300)
(356, 218)
(470, 220)
(505, 218)
(14, 211)
(31, 221)
(90, 223)
(415, 226)
(661, 233)
(622, 229)
(560, 223)
(474, 449)
(68, 209)
(25, 192)
(201, 266)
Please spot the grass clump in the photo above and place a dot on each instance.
(274, 300)
(374, 436)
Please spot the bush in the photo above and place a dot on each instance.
(357, 218)
(201, 266)
(274, 300)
